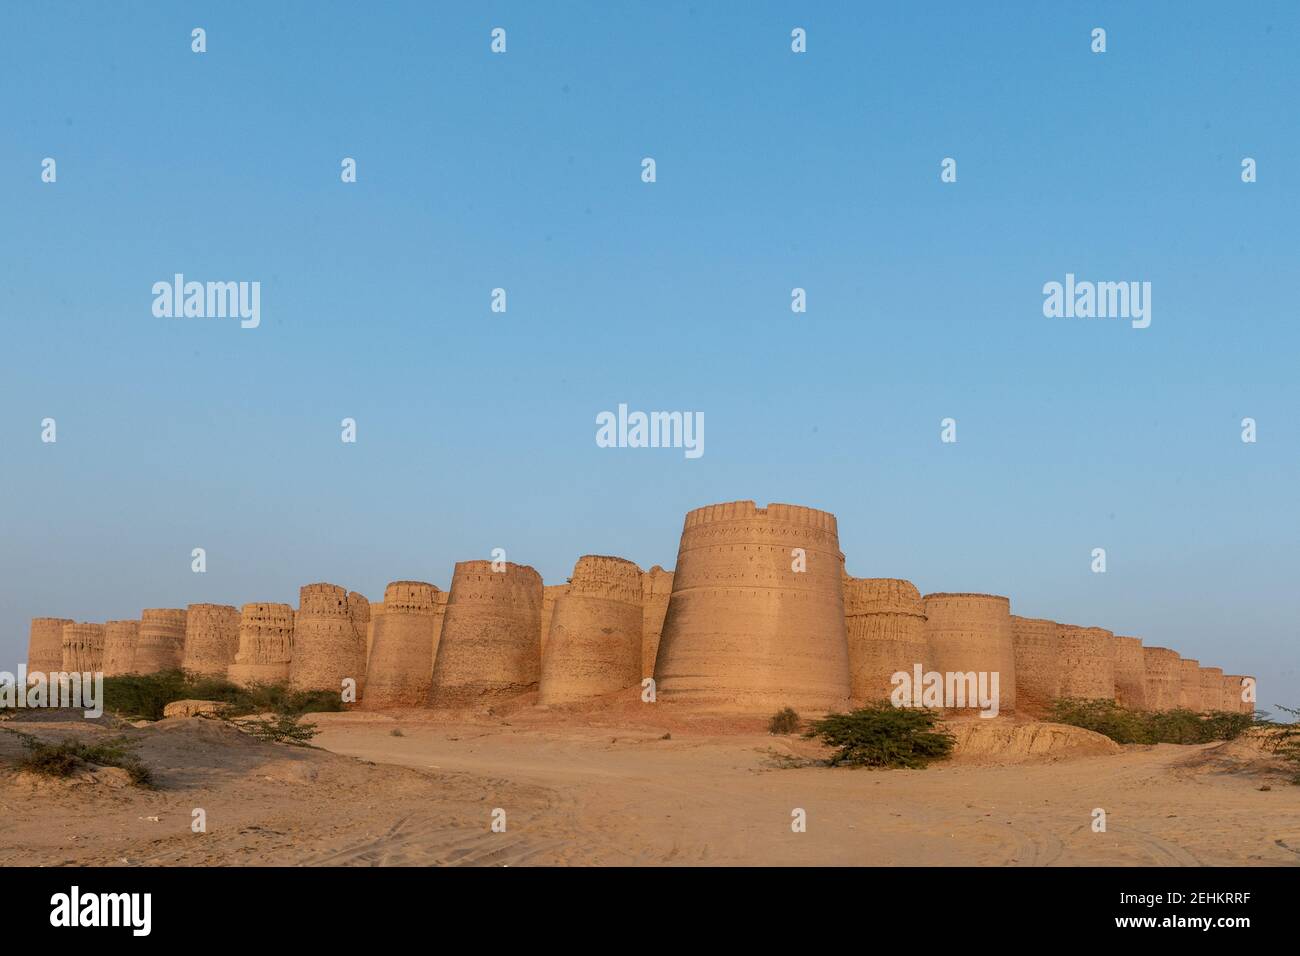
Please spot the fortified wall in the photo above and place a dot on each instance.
(972, 632)
(656, 589)
(746, 629)
(83, 648)
(884, 621)
(1211, 688)
(1189, 692)
(161, 644)
(1130, 673)
(1087, 662)
(1164, 679)
(489, 647)
(265, 644)
(120, 638)
(45, 644)
(211, 639)
(550, 594)
(758, 615)
(329, 639)
(595, 643)
(405, 642)
(1038, 669)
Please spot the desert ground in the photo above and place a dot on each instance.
(627, 787)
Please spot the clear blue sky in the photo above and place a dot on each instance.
(775, 170)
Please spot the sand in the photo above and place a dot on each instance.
(609, 789)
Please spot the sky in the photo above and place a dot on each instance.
(774, 170)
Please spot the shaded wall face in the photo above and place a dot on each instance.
(45, 644)
(1163, 675)
(439, 618)
(1130, 673)
(83, 648)
(1189, 693)
(747, 632)
(594, 646)
(401, 658)
(265, 644)
(971, 633)
(1087, 662)
(656, 589)
(550, 594)
(211, 639)
(161, 644)
(1038, 669)
(120, 639)
(885, 629)
(489, 648)
(329, 646)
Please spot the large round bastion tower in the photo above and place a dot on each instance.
(329, 639)
(265, 644)
(1164, 678)
(971, 633)
(1087, 658)
(161, 643)
(1189, 691)
(83, 648)
(211, 639)
(1211, 688)
(120, 639)
(884, 619)
(1130, 673)
(45, 644)
(752, 623)
(490, 645)
(1038, 671)
(594, 646)
(404, 647)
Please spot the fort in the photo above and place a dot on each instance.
(758, 614)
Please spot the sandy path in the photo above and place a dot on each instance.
(635, 799)
(583, 794)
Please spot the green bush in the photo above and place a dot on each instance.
(284, 729)
(66, 757)
(882, 735)
(784, 721)
(1149, 727)
(144, 696)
